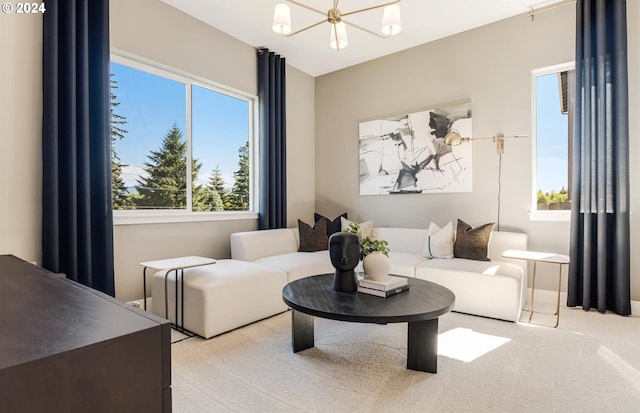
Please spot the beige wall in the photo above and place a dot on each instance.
(490, 67)
(20, 135)
(301, 190)
(175, 39)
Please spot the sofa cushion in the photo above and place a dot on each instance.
(473, 266)
(472, 243)
(252, 245)
(439, 243)
(313, 238)
(403, 263)
(489, 289)
(332, 226)
(299, 264)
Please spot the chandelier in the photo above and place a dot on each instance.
(338, 39)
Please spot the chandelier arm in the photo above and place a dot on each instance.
(297, 3)
(364, 29)
(369, 8)
(305, 28)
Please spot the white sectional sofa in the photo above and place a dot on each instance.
(495, 288)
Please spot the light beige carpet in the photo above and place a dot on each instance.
(591, 363)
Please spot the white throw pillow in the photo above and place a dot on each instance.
(366, 228)
(439, 242)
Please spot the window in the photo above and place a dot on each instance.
(553, 103)
(180, 145)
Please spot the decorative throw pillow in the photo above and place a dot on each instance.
(439, 242)
(472, 243)
(332, 226)
(366, 228)
(313, 239)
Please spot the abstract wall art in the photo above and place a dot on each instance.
(407, 154)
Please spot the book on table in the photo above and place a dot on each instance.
(384, 284)
(384, 294)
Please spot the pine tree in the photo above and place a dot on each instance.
(210, 197)
(166, 183)
(210, 201)
(119, 192)
(217, 204)
(218, 192)
(202, 198)
(238, 199)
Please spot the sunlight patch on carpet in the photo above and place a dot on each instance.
(467, 345)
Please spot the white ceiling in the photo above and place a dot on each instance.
(422, 21)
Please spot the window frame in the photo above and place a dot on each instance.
(534, 213)
(147, 216)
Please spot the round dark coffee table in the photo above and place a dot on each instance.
(420, 307)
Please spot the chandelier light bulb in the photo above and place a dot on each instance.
(282, 19)
(391, 20)
(339, 29)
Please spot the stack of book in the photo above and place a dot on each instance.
(386, 287)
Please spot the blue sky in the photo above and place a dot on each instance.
(551, 130)
(152, 104)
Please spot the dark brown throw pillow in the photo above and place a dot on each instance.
(313, 239)
(472, 243)
(332, 226)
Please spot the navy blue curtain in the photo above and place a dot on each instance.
(599, 274)
(272, 204)
(77, 217)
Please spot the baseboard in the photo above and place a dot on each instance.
(548, 296)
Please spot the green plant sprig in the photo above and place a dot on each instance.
(367, 244)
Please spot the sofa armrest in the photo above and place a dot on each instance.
(506, 240)
(253, 245)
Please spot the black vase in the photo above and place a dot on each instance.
(344, 250)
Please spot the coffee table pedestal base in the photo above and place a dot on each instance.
(302, 336)
(422, 346)
(422, 340)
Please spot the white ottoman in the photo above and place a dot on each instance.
(221, 296)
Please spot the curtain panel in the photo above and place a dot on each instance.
(599, 273)
(77, 217)
(272, 204)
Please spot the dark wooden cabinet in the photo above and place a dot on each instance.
(65, 347)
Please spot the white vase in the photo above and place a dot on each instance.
(376, 265)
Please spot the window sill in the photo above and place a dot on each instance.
(167, 217)
(550, 216)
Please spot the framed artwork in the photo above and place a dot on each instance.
(407, 154)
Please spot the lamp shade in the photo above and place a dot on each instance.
(454, 138)
(282, 19)
(338, 36)
(391, 20)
